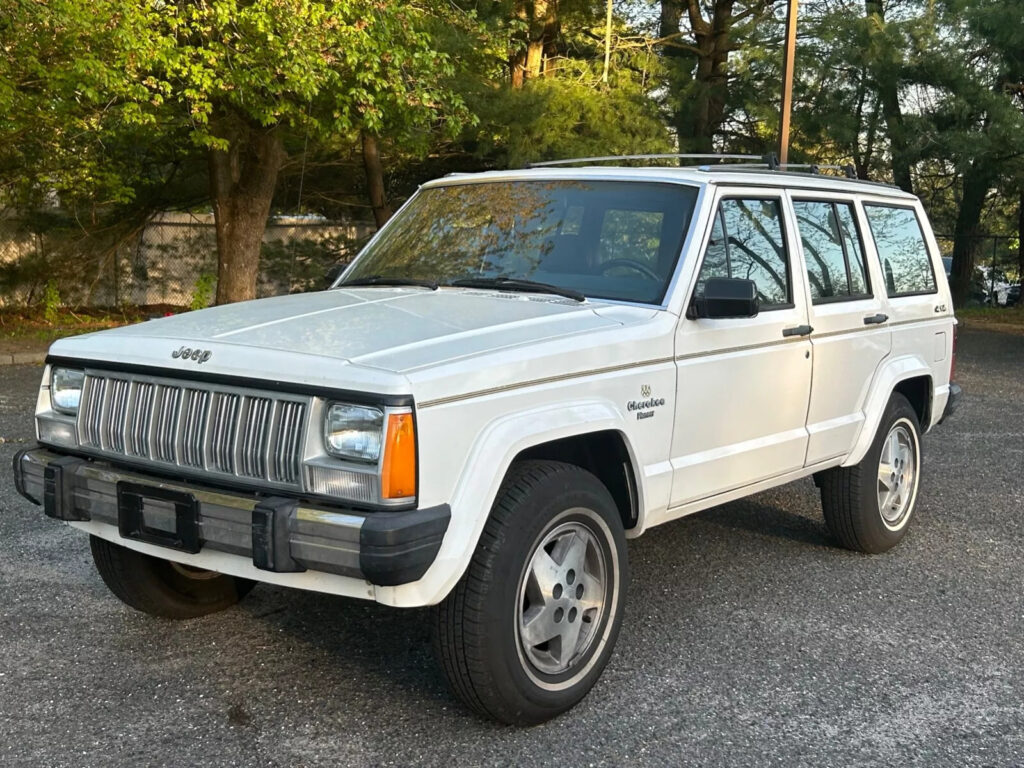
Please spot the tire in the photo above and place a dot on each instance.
(486, 631)
(162, 588)
(865, 511)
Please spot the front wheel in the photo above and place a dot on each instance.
(530, 627)
(868, 506)
(163, 588)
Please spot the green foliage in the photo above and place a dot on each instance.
(552, 118)
(204, 291)
(109, 108)
(51, 302)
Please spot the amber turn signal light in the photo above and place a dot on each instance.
(398, 478)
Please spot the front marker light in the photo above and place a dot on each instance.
(398, 475)
(354, 432)
(66, 389)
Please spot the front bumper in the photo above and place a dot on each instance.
(278, 534)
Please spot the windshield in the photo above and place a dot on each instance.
(604, 239)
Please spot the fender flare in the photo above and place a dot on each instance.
(490, 457)
(886, 379)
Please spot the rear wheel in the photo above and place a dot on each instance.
(867, 507)
(163, 588)
(530, 627)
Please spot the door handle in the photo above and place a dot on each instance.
(875, 319)
(798, 330)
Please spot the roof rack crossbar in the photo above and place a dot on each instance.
(609, 158)
(848, 170)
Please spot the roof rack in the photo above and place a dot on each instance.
(609, 158)
(767, 162)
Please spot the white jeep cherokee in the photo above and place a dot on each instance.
(519, 372)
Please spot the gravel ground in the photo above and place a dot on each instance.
(749, 639)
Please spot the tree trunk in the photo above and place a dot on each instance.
(242, 181)
(977, 180)
(698, 117)
(517, 56)
(887, 86)
(529, 54)
(375, 180)
(542, 33)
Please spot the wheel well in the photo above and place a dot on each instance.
(604, 455)
(918, 391)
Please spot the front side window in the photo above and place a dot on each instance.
(906, 264)
(832, 249)
(605, 239)
(747, 242)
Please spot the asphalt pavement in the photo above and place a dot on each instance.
(749, 639)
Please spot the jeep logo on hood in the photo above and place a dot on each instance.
(187, 353)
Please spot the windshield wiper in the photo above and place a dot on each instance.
(518, 284)
(382, 280)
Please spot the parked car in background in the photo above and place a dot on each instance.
(1013, 295)
(981, 289)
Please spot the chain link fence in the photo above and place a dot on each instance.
(997, 265)
(171, 261)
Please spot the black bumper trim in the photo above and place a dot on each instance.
(956, 394)
(398, 547)
(19, 476)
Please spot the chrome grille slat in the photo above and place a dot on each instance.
(221, 430)
(115, 415)
(286, 443)
(142, 418)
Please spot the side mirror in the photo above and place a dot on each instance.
(726, 297)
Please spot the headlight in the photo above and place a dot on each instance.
(66, 389)
(354, 432)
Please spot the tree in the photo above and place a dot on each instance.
(973, 118)
(228, 79)
(698, 61)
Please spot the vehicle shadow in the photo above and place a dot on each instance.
(764, 519)
(353, 645)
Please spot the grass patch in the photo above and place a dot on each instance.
(994, 317)
(34, 329)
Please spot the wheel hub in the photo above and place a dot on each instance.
(897, 475)
(561, 598)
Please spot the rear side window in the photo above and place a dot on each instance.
(832, 250)
(906, 265)
(746, 241)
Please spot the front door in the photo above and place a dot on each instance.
(743, 384)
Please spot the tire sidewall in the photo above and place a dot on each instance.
(876, 529)
(559, 503)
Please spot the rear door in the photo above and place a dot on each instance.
(848, 312)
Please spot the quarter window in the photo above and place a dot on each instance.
(833, 251)
(906, 265)
(747, 242)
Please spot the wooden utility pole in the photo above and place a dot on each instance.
(607, 42)
(787, 79)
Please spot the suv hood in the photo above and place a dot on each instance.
(390, 329)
